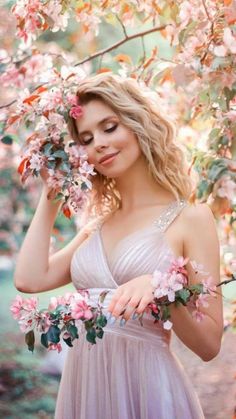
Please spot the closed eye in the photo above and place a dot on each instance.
(111, 129)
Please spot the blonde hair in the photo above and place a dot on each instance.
(138, 111)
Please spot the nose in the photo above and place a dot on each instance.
(100, 141)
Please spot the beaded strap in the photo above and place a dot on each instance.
(169, 214)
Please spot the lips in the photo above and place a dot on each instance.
(107, 156)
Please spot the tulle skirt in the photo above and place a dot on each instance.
(129, 374)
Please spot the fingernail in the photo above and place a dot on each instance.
(108, 315)
(112, 320)
(122, 322)
(135, 316)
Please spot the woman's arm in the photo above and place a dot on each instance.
(202, 245)
(35, 270)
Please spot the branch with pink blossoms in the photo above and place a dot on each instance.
(48, 147)
(67, 316)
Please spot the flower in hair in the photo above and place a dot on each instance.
(76, 111)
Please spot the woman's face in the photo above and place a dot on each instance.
(111, 147)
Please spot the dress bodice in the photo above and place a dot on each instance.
(138, 253)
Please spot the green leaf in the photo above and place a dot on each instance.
(198, 288)
(165, 313)
(30, 340)
(72, 329)
(61, 154)
(183, 296)
(203, 188)
(64, 166)
(44, 340)
(83, 186)
(216, 170)
(91, 335)
(99, 333)
(53, 334)
(68, 341)
(7, 140)
(101, 321)
(47, 148)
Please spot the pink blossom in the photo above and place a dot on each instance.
(178, 264)
(55, 347)
(16, 307)
(80, 309)
(76, 111)
(87, 169)
(209, 286)
(30, 303)
(227, 188)
(229, 40)
(202, 301)
(72, 99)
(37, 161)
(166, 284)
(198, 315)
(44, 322)
(198, 268)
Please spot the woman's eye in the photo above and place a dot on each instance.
(111, 128)
(85, 141)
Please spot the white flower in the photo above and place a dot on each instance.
(167, 325)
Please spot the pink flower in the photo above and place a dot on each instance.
(198, 268)
(209, 286)
(198, 315)
(16, 307)
(30, 303)
(202, 301)
(44, 323)
(80, 309)
(179, 264)
(72, 99)
(227, 188)
(76, 111)
(55, 347)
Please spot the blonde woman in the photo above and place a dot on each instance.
(143, 218)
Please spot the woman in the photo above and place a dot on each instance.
(140, 197)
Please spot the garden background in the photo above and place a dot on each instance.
(185, 51)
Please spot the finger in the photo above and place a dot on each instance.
(114, 300)
(143, 304)
(130, 308)
(120, 305)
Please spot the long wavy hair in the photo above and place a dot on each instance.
(138, 111)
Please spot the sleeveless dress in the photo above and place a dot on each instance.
(130, 373)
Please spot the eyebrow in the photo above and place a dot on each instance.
(99, 123)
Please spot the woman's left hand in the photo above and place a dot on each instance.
(133, 296)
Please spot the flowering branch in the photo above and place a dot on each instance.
(68, 315)
(119, 43)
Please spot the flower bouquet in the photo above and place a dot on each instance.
(73, 313)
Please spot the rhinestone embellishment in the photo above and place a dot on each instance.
(169, 215)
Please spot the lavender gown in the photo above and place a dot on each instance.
(131, 373)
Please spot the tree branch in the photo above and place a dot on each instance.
(119, 43)
(105, 50)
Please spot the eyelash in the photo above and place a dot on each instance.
(106, 130)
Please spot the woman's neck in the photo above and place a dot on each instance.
(139, 189)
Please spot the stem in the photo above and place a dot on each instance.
(121, 42)
(227, 281)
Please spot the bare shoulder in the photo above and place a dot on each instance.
(199, 227)
(199, 213)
